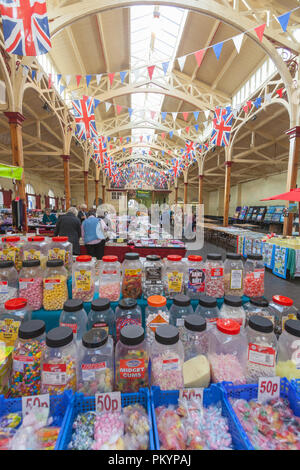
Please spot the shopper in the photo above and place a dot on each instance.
(68, 225)
(82, 213)
(106, 220)
(48, 218)
(93, 231)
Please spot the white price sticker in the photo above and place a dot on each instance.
(34, 402)
(107, 402)
(190, 393)
(268, 388)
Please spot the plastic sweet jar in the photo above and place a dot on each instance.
(127, 313)
(195, 277)
(196, 368)
(288, 357)
(96, 363)
(131, 360)
(258, 306)
(83, 278)
(174, 276)
(208, 309)
(233, 308)
(8, 281)
(102, 316)
(282, 308)
(15, 312)
(180, 309)
(214, 276)
(262, 349)
(156, 314)
(61, 248)
(19, 308)
(153, 276)
(254, 277)
(31, 283)
(227, 352)
(233, 274)
(59, 362)
(74, 316)
(132, 276)
(110, 278)
(25, 379)
(55, 290)
(11, 250)
(35, 248)
(167, 358)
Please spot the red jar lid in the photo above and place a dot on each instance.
(109, 259)
(195, 258)
(174, 258)
(11, 239)
(36, 239)
(15, 304)
(157, 301)
(228, 326)
(83, 258)
(281, 300)
(60, 239)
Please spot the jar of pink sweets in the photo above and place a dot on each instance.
(254, 277)
(214, 272)
(31, 283)
(110, 278)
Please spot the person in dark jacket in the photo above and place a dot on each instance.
(68, 225)
(82, 213)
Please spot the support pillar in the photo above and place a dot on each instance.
(15, 120)
(66, 160)
(103, 192)
(176, 191)
(294, 136)
(96, 192)
(228, 165)
(200, 199)
(153, 197)
(86, 188)
(185, 194)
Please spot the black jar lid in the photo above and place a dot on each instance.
(132, 256)
(214, 257)
(59, 337)
(195, 322)
(182, 300)
(101, 304)
(127, 304)
(54, 263)
(292, 327)
(235, 256)
(207, 301)
(259, 323)
(233, 301)
(30, 263)
(6, 264)
(32, 329)
(132, 335)
(259, 301)
(167, 334)
(153, 258)
(95, 338)
(73, 305)
(255, 257)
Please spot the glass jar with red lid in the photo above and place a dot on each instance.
(83, 280)
(282, 308)
(110, 278)
(16, 311)
(174, 276)
(214, 275)
(35, 248)
(61, 248)
(10, 250)
(195, 278)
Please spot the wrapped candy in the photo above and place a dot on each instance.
(226, 367)
(110, 291)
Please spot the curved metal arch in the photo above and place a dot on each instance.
(148, 145)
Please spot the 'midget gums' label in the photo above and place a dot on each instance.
(132, 369)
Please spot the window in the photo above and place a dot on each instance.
(116, 195)
(31, 201)
(51, 199)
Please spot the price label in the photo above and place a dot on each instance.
(107, 402)
(190, 393)
(35, 402)
(268, 388)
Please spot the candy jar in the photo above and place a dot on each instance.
(35, 248)
(227, 352)
(180, 309)
(59, 362)
(233, 308)
(167, 358)
(262, 349)
(74, 316)
(15, 312)
(258, 306)
(174, 276)
(282, 308)
(61, 248)
(153, 276)
(132, 276)
(195, 278)
(83, 278)
(55, 291)
(131, 360)
(254, 278)
(233, 274)
(196, 369)
(17, 307)
(156, 314)
(102, 316)
(288, 358)
(8, 281)
(11, 250)
(214, 276)
(208, 309)
(25, 379)
(127, 313)
(110, 278)
(96, 363)
(31, 283)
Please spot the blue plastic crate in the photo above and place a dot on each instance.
(82, 404)
(211, 396)
(60, 405)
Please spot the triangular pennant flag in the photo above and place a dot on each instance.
(249, 104)
(283, 20)
(33, 74)
(123, 75)
(187, 130)
(58, 78)
(88, 79)
(185, 116)
(108, 139)
(141, 138)
(179, 132)
(107, 106)
(181, 62)
(199, 56)
(260, 31)
(98, 78)
(246, 109)
(127, 139)
(196, 115)
(121, 139)
(25, 72)
(163, 153)
(39, 75)
(130, 110)
(96, 102)
(78, 79)
(280, 92)
(68, 79)
(62, 89)
(238, 41)
(49, 79)
(217, 49)
(174, 116)
(196, 127)
(163, 135)
(257, 102)
(165, 66)
(171, 134)
(152, 114)
(268, 97)
(163, 115)
(150, 71)
(206, 113)
(111, 77)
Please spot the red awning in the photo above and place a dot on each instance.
(292, 195)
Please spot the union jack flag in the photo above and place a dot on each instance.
(222, 124)
(100, 150)
(25, 27)
(189, 148)
(85, 118)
